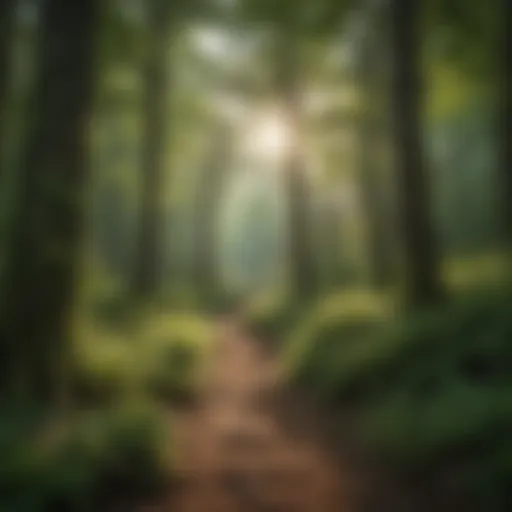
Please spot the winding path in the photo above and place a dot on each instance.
(238, 450)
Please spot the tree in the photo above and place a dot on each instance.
(156, 91)
(421, 258)
(44, 253)
(7, 19)
(505, 108)
(372, 84)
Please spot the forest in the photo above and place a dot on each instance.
(255, 255)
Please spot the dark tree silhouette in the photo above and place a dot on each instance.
(47, 229)
(421, 252)
(505, 160)
(7, 19)
(150, 225)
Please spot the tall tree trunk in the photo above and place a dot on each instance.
(211, 186)
(47, 230)
(7, 23)
(301, 248)
(149, 245)
(505, 113)
(371, 82)
(423, 283)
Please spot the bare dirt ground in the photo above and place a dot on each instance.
(246, 447)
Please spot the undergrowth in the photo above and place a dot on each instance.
(431, 391)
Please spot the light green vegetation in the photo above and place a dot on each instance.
(163, 356)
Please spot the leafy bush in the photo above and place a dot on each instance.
(369, 349)
(104, 369)
(84, 463)
(272, 317)
(317, 345)
(433, 391)
(177, 351)
(163, 357)
(88, 460)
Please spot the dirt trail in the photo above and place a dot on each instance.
(236, 451)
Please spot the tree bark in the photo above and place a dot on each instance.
(47, 229)
(423, 284)
(505, 120)
(7, 23)
(149, 244)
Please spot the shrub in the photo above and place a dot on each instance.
(163, 357)
(271, 317)
(84, 463)
(176, 351)
(433, 390)
(104, 369)
(319, 344)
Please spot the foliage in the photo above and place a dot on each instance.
(310, 18)
(163, 357)
(325, 335)
(431, 391)
(466, 34)
(85, 462)
(177, 351)
(271, 316)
